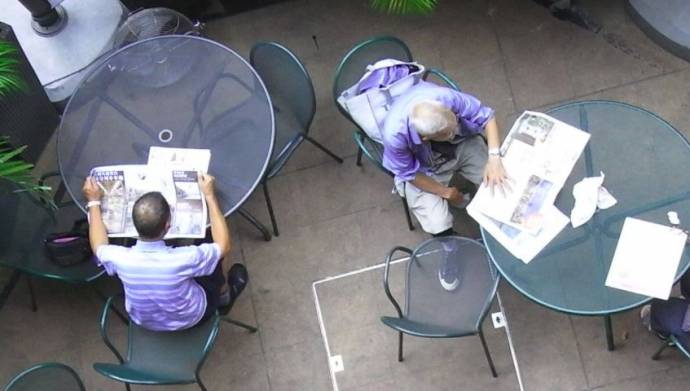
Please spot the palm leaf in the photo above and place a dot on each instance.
(9, 78)
(404, 7)
(17, 171)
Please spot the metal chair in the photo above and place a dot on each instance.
(26, 223)
(294, 104)
(430, 310)
(46, 376)
(351, 69)
(161, 357)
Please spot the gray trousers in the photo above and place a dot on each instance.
(431, 210)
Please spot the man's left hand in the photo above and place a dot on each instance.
(495, 175)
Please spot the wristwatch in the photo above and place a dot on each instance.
(92, 203)
(494, 152)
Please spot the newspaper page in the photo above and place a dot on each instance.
(184, 158)
(539, 153)
(174, 173)
(521, 244)
(646, 258)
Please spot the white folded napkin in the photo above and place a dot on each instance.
(589, 195)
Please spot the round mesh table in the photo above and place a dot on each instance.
(170, 91)
(645, 161)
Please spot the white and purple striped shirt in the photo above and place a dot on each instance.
(160, 291)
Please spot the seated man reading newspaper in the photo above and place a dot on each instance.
(430, 133)
(167, 288)
(672, 316)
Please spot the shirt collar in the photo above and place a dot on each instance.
(147, 245)
(412, 133)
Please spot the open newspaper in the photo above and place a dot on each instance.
(539, 153)
(171, 171)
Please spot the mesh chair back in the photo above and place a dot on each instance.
(354, 64)
(461, 310)
(171, 354)
(47, 376)
(290, 88)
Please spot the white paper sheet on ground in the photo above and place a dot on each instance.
(646, 258)
(522, 244)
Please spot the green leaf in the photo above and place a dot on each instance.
(404, 7)
(9, 155)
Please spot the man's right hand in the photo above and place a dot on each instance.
(453, 195)
(92, 190)
(207, 184)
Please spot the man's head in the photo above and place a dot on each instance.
(151, 216)
(433, 121)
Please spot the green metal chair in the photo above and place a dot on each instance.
(430, 310)
(161, 357)
(351, 69)
(26, 223)
(46, 376)
(294, 104)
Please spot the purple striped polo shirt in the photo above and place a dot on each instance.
(160, 291)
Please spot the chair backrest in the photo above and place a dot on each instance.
(287, 81)
(427, 302)
(46, 376)
(177, 353)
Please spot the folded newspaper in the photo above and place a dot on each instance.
(539, 153)
(171, 171)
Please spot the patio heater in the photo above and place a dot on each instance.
(61, 38)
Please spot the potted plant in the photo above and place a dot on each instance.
(12, 167)
(404, 7)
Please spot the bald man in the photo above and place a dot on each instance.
(167, 288)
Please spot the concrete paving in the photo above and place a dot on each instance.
(336, 218)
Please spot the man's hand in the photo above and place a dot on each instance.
(92, 190)
(495, 175)
(453, 195)
(207, 184)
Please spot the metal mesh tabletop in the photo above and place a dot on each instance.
(170, 91)
(645, 161)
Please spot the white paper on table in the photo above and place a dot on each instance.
(646, 258)
(180, 158)
(522, 244)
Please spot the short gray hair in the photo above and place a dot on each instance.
(428, 117)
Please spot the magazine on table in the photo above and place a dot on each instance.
(538, 153)
(171, 171)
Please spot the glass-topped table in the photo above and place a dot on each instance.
(645, 161)
(170, 91)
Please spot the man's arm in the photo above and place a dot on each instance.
(494, 172)
(98, 235)
(430, 185)
(219, 228)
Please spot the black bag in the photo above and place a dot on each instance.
(68, 248)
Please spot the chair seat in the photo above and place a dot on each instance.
(127, 374)
(425, 330)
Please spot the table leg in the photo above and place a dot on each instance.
(609, 333)
(253, 221)
(7, 289)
